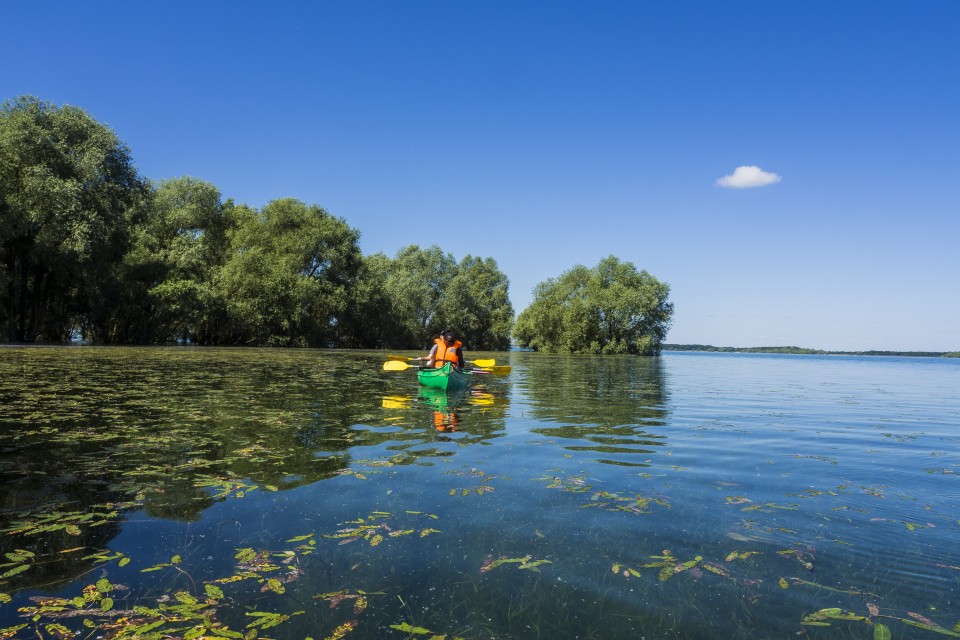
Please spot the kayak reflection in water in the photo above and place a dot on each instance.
(445, 422)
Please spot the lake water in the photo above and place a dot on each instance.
(296, 493)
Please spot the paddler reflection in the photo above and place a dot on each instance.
(444, 405)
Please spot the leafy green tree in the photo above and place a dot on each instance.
(67, 190)
(369, 321)
(476, 304)
(415, 282)
(612, 308)
(406, 301)
(168, 277)
(289, 275)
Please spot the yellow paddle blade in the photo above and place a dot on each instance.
(398, 358)
(393, 365)
(483, 364)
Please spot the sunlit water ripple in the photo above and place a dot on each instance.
(687, 496)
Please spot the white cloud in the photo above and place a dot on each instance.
(747, 177)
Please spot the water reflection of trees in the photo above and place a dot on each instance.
(615, 406)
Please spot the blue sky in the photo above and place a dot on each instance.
(550, 134)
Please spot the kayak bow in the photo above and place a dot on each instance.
(446, 377)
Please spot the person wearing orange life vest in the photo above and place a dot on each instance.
(445, 349)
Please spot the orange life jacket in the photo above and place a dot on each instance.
(445, 353)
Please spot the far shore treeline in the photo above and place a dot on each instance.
(91, 249)
(805, 351)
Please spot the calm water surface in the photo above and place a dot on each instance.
(294, 494)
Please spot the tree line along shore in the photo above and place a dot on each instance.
(90, 249)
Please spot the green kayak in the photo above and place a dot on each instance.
(445, 377)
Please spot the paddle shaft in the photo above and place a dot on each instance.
(483, 362)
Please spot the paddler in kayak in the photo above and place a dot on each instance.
(446, 348)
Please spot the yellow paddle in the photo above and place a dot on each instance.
(483, 364)
(396, 365)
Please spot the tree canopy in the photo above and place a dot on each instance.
(428, 291)
(609, 309)
(89, 247)
(68, 189)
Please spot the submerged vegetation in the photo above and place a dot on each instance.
(170, 493)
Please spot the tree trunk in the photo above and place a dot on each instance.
(21, 332)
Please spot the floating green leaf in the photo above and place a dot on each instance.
(12, 572)
(301, 538)
(408, 628)
(266, 620)
(20, 555)
(525, 562)
(9, 632)
(213, 591)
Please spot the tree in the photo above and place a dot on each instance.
(369, 321)
(428, 291)
(67, 189)
(609, 309)
(416, 280)
(476, 304)
(289, 275)
(167, 279)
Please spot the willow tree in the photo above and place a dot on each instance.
(429, 291)
(67, 188)
(476, 304)
(178, 247)
(609, 309)
(290, 272)
(415, 281)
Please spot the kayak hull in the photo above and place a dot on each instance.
(446, 377)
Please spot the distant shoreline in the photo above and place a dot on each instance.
(804, 351)
(666, 347)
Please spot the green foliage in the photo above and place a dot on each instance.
(427, 291)
(476, 303)
(610, 309)
(290, 274)
(67, 190)
(168, 279)
(415, 282)
(88, 247)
